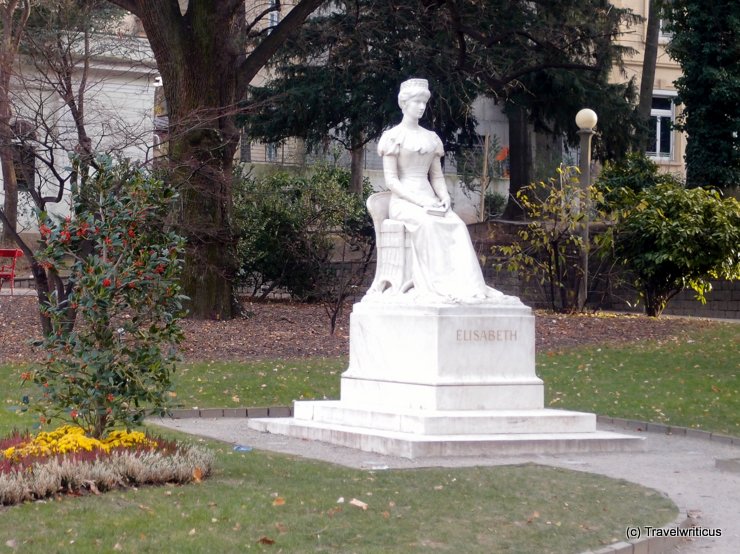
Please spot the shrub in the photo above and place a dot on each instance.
(115, 363)
(672, 238)
(549, 246)
(292, 227)
(635, 173)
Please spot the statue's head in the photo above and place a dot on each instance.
(413, 88)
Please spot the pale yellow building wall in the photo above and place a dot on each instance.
(666, 72)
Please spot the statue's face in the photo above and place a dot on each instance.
(415, 106)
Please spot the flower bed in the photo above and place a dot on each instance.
(67, 461)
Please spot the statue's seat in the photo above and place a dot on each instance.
(393, 267)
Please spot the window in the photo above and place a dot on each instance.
(662, 116)
(664, 35)
(271, 152)
(274, 16)
(245, 149)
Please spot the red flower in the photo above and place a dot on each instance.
(26, 376)
(73, 414)
(44, 230)
(110, 397)
(159, 269)
(106, 282)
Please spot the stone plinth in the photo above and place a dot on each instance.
(442, 357)
(444, 380)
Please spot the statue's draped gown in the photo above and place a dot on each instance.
(445, 266)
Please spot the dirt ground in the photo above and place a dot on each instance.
(290, 330)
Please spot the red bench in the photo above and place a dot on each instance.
(7, 268)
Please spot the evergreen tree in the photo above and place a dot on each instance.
(546, 60)
(706, 42)
(339, 77)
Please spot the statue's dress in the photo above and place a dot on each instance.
(445, 266)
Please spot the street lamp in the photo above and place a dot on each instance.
(586, 120)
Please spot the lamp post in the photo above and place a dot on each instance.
(586, 120)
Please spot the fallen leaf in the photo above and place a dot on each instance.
(146, 508)
(191, 532)
(358, 503)
(197, 475)
(534, 516)
(279, 501)
(281, 527)
(12, 543)
(340, 500)
(266, 540)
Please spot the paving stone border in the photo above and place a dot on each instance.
(633, 424)
(646, 426)
(649, 545)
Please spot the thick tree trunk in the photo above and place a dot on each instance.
(647, 79)
(205, 188)
(520, 157)
(205, 73)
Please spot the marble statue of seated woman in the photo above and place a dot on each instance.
(444, 265)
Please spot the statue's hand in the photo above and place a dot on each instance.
(440, 204)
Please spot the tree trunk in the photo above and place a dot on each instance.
(647, 79)
(520, 157)
(210, 254)
(10, 186)
(206, 69)
(10, 182)
(655, 302)
(356, 170)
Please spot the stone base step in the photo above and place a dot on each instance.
(408, 445)
(444, 422)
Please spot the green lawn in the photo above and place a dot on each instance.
(255, 498)
(686, 382)
(269, 383)
(259, 496)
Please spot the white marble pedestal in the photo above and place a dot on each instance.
(444, 380)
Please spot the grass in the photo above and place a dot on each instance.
(269, 383)
(257, 497)
(685, 382)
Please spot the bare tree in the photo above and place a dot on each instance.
(58, 93)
